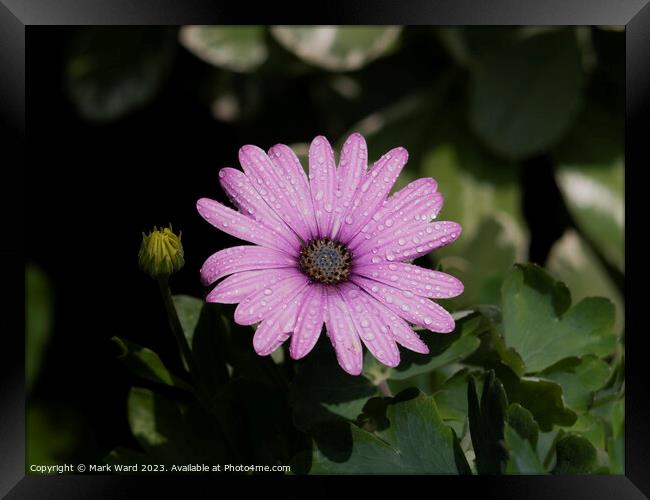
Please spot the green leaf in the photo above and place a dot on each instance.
(579, 379)
(205, 435)
(493, 352)
(546, 447)
(457, 351)
(538, 323)
(321, 391)
(522, 456)
(415, 441)
(114, 71)
(208, 347)
(590, 172)
(204, 329)
(266, 415)
(236, 48)
(145, 363)
(486, 423)
(616, 454)
(443, 350)
(603, 426)
(573, 262)
(593, 427)
(189, 311)
(618, 418)
(524, 98)
(616, 442)
(575, 455)
(168, 436)
(543, 398)
(157, 424)
(39, 318)
(237, 347)
(451, 398)
(337, 48)
(522, 421)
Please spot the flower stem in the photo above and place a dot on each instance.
(384, 389)
(177, 329)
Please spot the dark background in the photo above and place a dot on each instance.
(94, 187)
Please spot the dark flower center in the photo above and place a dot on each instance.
(325, 261)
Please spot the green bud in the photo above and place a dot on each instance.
(161, 252)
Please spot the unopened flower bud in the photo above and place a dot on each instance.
(161, 252)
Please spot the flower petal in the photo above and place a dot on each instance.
(265, 302)
(322, 180)
(416, 279)
(267, 336)
(276, 328)
(238, 225)
(352, 169)
(275, 191)
(243, 195)
(399, 329)
(420, 205)
(289, 167)
(410, 242)
(373, 332)
(417, 310)
(309, 322)
(372, 191)
(237, 287)
(342, 333)
(243, 258)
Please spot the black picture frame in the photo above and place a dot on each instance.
(16, 16)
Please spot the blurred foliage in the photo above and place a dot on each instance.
(337, 48)
(525, 96)
(531, 380)
(240, 49)
(54, 432)
(110, 73)
(594, 195)
(39, 302)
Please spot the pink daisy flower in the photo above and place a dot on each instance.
(330, 248)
